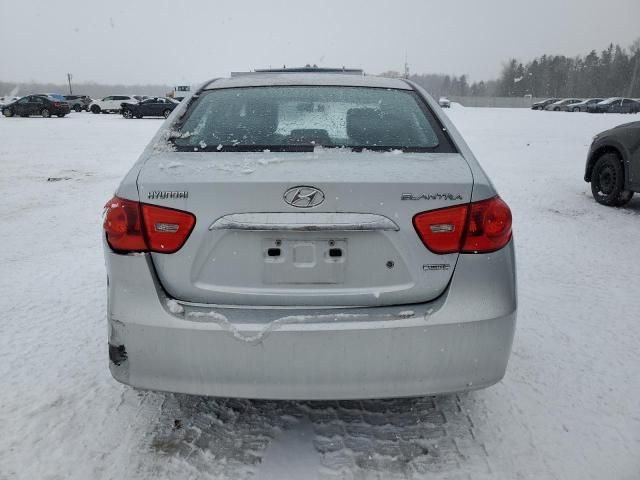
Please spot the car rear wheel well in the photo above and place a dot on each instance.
(596, 156)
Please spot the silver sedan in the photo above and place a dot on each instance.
(309, 235)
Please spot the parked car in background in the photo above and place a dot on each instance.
(112, 103)
(582, 106)
(613, 165)
(151, 107)
(615, 105)
(78, 103)
(444, 102)
(179, 92)
(36, 105)
(6, 100)
(302, 281)
(543, 103)
(560, 104)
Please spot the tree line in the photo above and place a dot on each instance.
(611, 73)
(614, 72)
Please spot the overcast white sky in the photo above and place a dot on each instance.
(181, 41)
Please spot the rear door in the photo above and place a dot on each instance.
(302, 229)
(615, 107)
(144, 107)
(156, 106)
(35, 106)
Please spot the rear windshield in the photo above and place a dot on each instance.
(300, 118)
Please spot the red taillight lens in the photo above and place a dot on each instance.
(488, 227)
(134, 227)
(166, 229)
(441, 230)
(480, 227)
(123, 227)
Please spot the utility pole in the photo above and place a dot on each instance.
(69, 77)
(406, 66)
(635, 50)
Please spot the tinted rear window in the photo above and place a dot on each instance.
(301, 117)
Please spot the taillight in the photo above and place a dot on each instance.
(123, 227)
(488, 227)
(167, 229)
(134, 227)
(480, 227)
(441, 230)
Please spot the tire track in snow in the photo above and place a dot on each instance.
(397, 438)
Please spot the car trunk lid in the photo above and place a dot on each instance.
(259, 241)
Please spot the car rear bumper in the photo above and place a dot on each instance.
(461, 341)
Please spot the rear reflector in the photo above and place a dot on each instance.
(134, 227)
(479, 227)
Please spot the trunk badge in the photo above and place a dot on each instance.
(304, 196)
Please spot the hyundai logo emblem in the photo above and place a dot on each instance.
(304, 197)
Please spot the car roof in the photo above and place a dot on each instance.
(308, 79)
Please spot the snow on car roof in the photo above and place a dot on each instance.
(320, 79)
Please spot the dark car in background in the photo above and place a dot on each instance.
(78, 103)
(151, 107)
(613, 165)
(582, 106)
(615, 105)
(43, 105)
(543, 103)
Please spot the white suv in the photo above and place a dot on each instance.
(111, 104)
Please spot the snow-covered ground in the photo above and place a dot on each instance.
(569, 407)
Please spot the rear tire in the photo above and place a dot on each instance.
(7, 112)
(166, 113)
(607, 181)
(126, 113)
(77, 108)
(61, 115)
(45, 113)
(624, 198)
(95, 109)
(576, 109)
